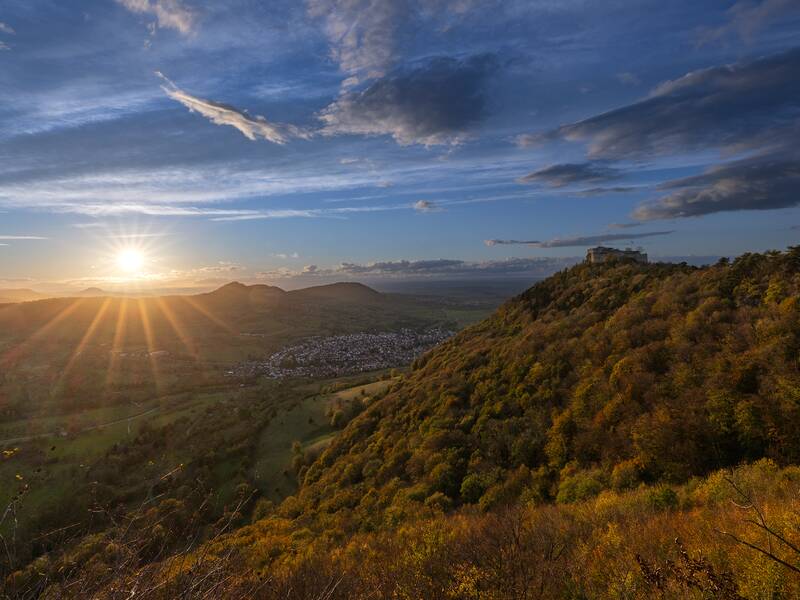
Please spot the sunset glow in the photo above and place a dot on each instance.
(130, 261)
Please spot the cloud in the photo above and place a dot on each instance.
(746, 19)
(438, 268)
(4, 46)
(7, 29)
(733, 107)
(224, 114)
(577, 242)
(426, 206)
(624, 225)
(361, 33)
(21, 237)
(436, 102)
(170, 14)
(569, 173)
(605, 191)
(755, 183)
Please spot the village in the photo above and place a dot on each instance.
(344, 354)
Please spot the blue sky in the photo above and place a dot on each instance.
(327, 139)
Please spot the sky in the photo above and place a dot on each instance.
(185, 143)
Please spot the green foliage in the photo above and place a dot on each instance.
(663, 498)
(580, 486)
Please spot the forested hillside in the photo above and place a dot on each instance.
(598, 377)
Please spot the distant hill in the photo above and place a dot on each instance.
(343, 291)
(92, 292)
(20, 295)
(239, 294)
(231, 323)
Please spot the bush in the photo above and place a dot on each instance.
(663, 498)
(580, 486)
(438, 501)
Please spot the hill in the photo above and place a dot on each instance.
(20, 295)
(598, 377)
(92, 292)
(342, 292)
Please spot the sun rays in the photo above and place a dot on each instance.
(119, 336)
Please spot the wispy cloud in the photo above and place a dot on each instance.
(361, 33)
(171, 14)
(22, 237)
(570, 173)
(7, 29)
(624, 225)
(577, 242)
(224, 114)
(607, 191)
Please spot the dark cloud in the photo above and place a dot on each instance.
(737, 106)
(756, 183)
(569, 173)
(606, 191)
(577, 242)
(440, 268)
(624, 225)
(436, 102)
(401, 266)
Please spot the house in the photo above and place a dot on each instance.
(601, 254)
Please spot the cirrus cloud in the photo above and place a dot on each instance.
(171, 14)
(565, 174)
(224, 114)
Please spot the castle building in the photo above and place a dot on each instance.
(601, 254)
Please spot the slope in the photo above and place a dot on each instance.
(600, 376)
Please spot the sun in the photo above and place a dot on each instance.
(130, 260)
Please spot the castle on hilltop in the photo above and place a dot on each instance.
(601, 254)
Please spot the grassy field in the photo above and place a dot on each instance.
(302, 426)
(61, 456)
